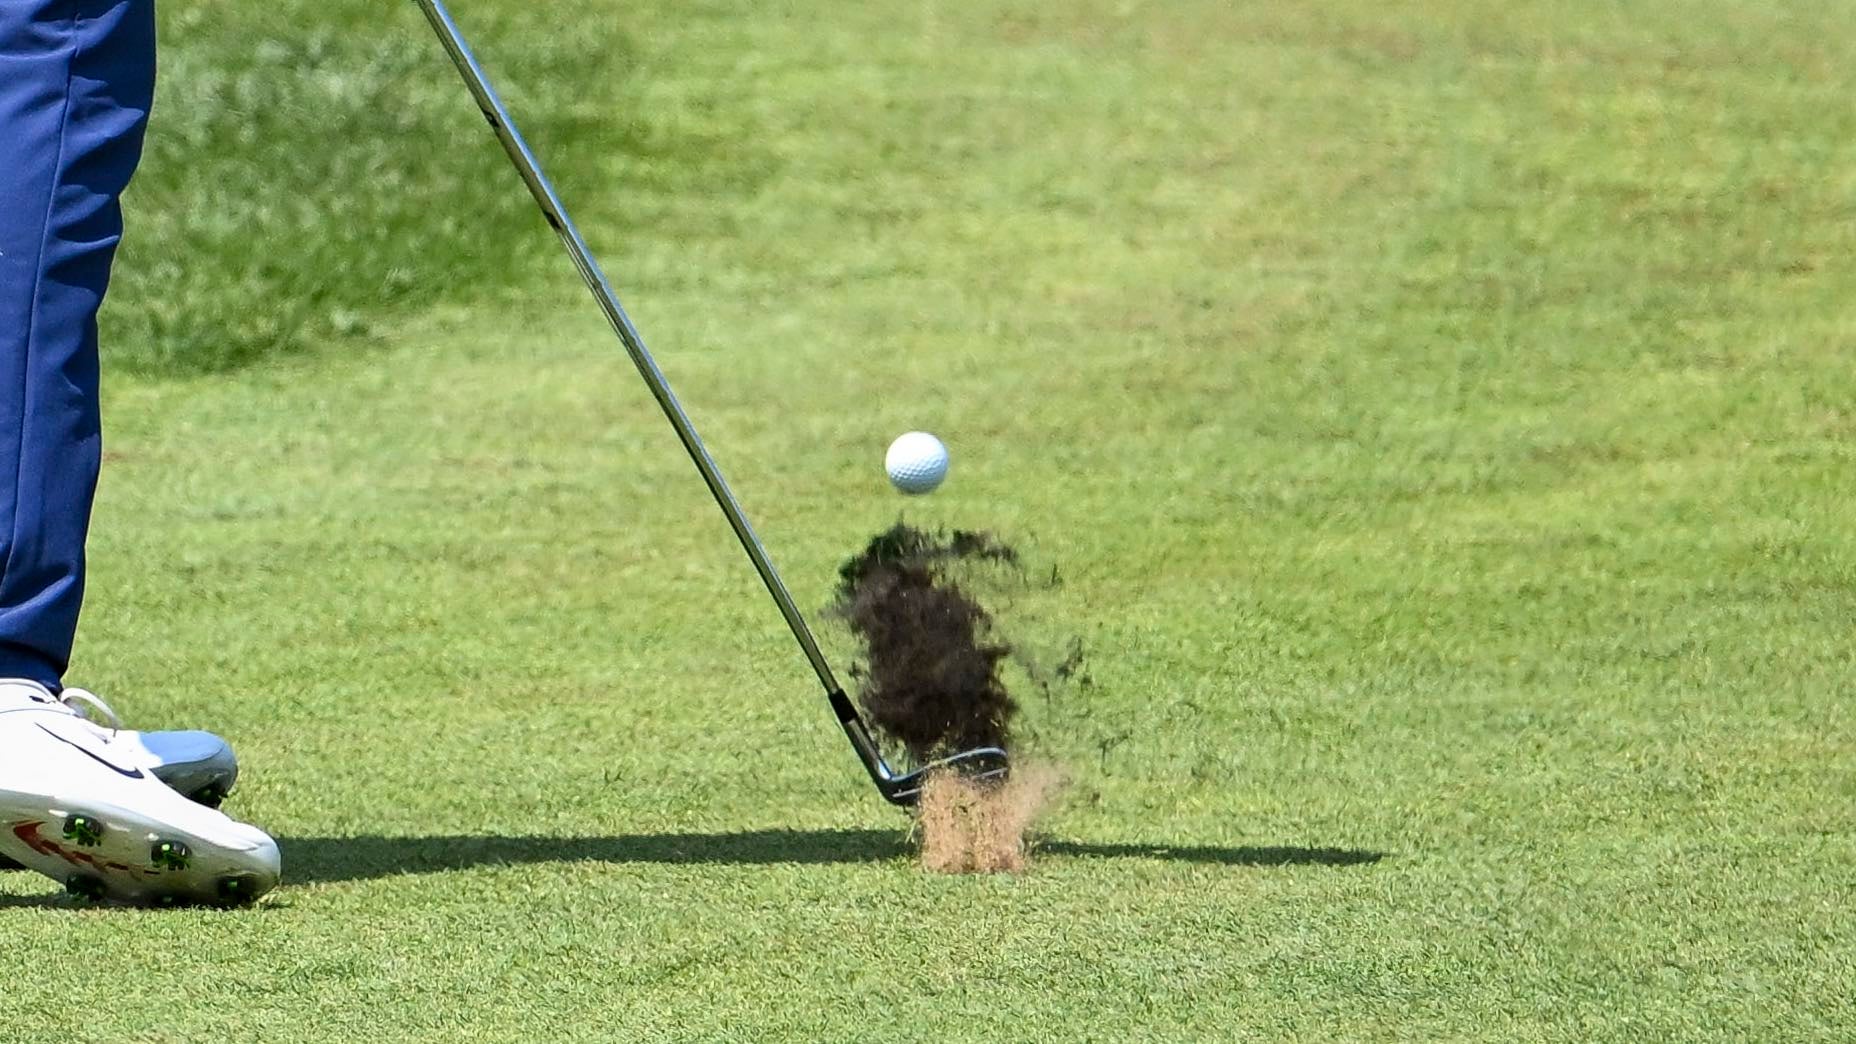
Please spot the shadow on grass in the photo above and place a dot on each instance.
(44, 901)
(309, 860)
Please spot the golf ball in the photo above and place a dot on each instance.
(916, 462)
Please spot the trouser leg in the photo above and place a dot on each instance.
(76, 82)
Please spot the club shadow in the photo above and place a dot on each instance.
(45, 901)
(1244, 855)
(310, 860)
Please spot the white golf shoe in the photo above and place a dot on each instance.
(199, 765)
(81, 803)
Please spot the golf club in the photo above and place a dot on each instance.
(899, 789)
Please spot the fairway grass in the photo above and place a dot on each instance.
(1438, 417)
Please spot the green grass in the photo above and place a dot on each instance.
(1439, 414)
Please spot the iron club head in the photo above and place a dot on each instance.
(980, 764)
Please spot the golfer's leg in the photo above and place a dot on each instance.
(76, 80)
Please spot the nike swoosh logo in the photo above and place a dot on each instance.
(119, 770)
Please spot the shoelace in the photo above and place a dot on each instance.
(88, 705)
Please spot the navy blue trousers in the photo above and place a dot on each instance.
(76, 80)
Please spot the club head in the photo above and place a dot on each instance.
(979, 764)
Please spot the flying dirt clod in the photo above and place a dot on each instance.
(931, 677)
(931, 683)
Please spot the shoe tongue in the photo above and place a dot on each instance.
(20, 694)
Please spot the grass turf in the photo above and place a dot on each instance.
(1439, 414)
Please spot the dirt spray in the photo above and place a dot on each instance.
(930, 682)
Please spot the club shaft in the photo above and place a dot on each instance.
(557, 217)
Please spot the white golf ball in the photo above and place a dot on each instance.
(916, 462)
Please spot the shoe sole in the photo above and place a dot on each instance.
(109, 854)
(212, 795)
